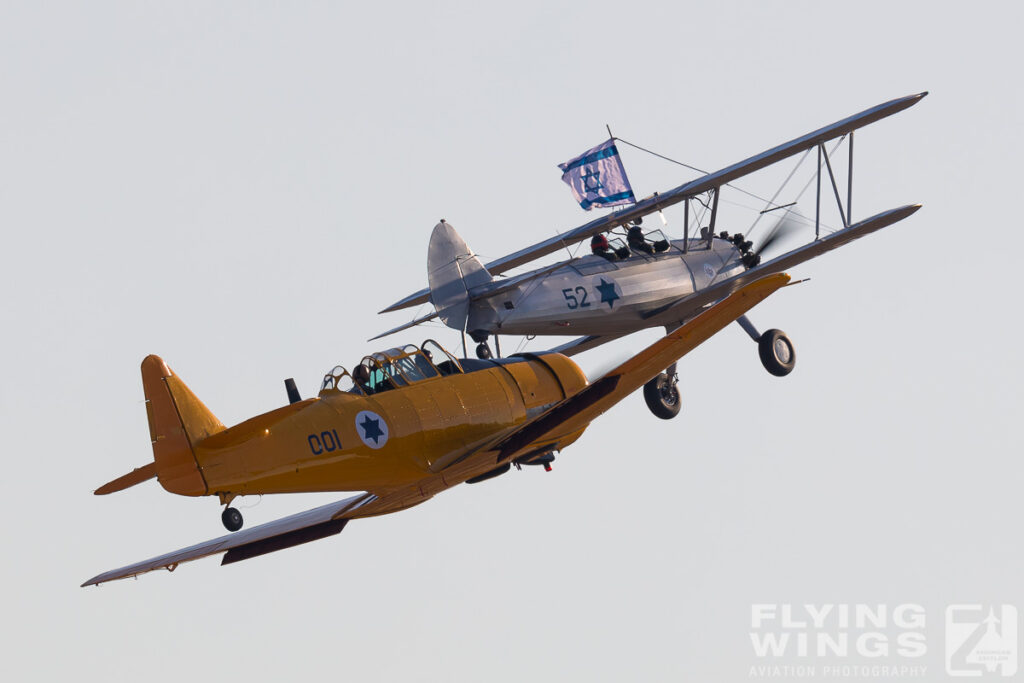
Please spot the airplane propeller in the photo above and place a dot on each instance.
(784, 228)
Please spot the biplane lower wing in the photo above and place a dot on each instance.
(286, 532)
(686, 307)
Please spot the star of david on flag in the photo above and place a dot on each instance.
(597, 177)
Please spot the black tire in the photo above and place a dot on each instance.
(662, 396)
(232, 519)
(777, 353)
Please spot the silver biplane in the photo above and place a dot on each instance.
(650, 282)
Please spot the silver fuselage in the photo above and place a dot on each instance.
(593, 296)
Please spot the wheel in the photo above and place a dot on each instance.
(662, 396)
(483, 351)
(777, 353)
(232, 519)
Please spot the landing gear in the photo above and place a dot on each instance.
(483, 351)
(662, 394)
(777, 353)
(775, 348)
(232, 519)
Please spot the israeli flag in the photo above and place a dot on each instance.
(597, 177)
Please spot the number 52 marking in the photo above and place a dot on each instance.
(570, 298)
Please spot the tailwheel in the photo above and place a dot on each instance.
(232, 519)
(662, 396)
(777, 353)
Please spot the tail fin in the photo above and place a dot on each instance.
(452, 269)
(177, 421)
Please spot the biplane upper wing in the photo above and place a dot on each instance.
(567, 416)
(685, 191)
(686, 306)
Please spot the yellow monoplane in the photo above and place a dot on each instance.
(405, 425)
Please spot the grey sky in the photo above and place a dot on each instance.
(240, 187)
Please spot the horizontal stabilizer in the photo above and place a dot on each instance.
(405, 326)
(283, 533)
(136, 476)
(581, 344)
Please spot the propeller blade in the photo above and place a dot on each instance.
(783, 229)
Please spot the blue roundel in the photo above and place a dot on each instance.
(372, 428)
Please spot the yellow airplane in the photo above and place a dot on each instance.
(406, 425)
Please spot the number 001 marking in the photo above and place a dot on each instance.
(324, 442)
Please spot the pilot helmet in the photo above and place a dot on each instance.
(599, 242)
(361, 374)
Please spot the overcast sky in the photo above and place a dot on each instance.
(239, 187)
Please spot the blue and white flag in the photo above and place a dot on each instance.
(597, 177)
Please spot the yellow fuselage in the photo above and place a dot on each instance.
(349, 442)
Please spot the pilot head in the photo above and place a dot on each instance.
(598, 243)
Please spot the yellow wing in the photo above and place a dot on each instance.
(575, 412)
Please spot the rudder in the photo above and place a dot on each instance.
(452, 269)
(177, 421)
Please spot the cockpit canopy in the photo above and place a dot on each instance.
(393, 368)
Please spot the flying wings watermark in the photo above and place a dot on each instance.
(981, 641)
(597, 177)
(882, 641)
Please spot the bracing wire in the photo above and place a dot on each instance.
(693, 168)
(769, 203)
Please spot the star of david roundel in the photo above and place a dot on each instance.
(608, 292)
(372, 428)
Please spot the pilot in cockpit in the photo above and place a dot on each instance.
(636, 240)
(599, 247)
(361, 376)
